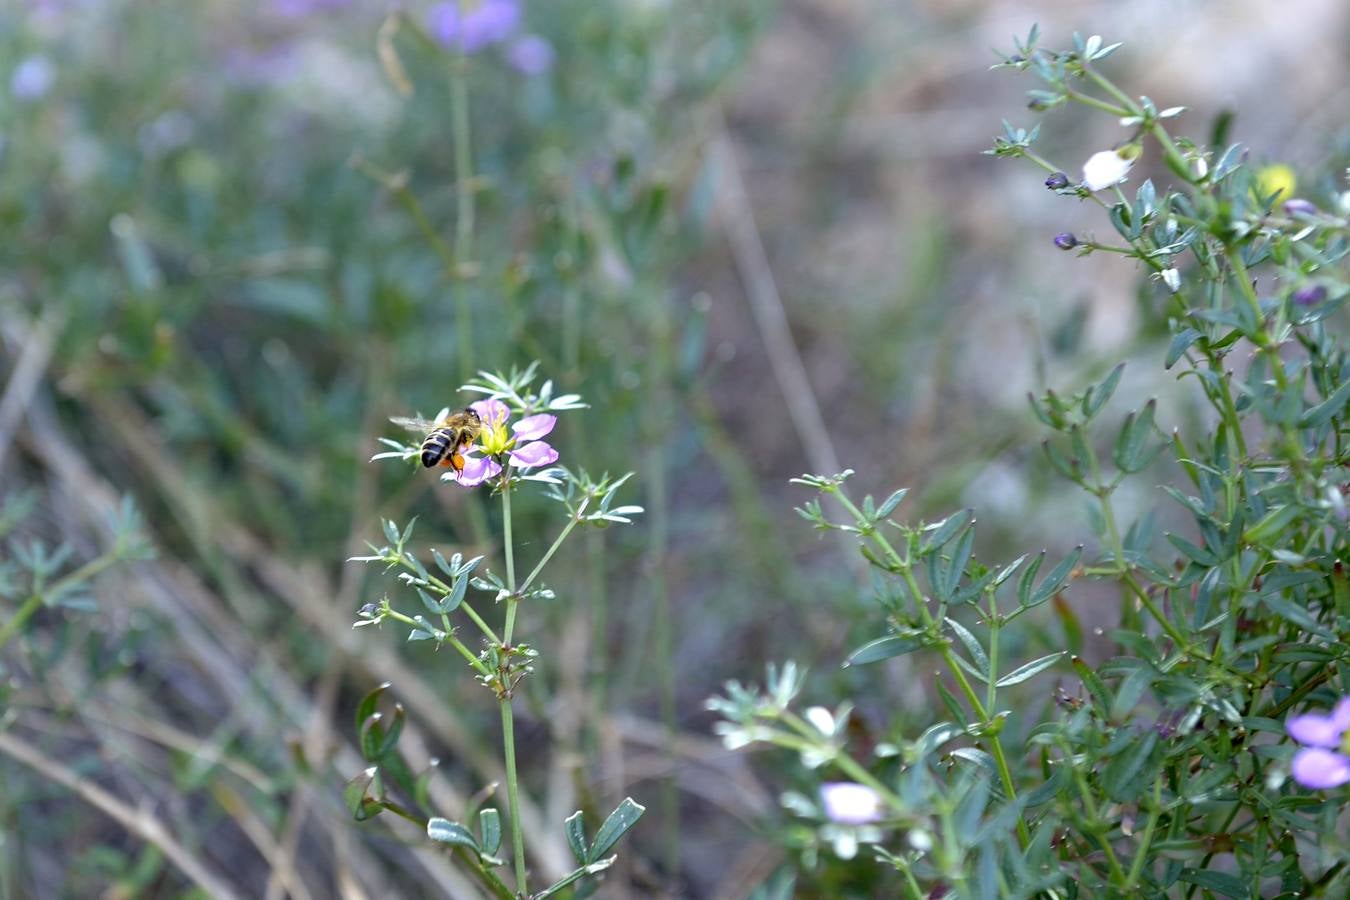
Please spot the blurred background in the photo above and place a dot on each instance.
(759, 238)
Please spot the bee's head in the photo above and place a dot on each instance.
(473, 415)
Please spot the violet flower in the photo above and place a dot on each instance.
(1324, 760)
(850, 803)
(478, 24)
(530, 54)
(521, 446)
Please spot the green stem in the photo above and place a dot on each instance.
(1141, 854)
(513, 796)
(557, 542)
(20, 617)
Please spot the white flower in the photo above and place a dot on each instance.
(849, 803)
(1171, 278)
(1105, 168)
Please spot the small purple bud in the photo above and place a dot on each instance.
(1065, 241)
(368, 611)
(1057, 181)
(1299, 207)
(1017, 58)
(1309, 295)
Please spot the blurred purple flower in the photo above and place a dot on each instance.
(1309, 295)
(1057, 181)
(530, 54)
(521, 446)
(32, 78)
(296, 8)
(849, 803)
(1324, 760)
(477, 25)
(1065, 241)
(1299, 207)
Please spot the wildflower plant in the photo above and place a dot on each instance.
(1161, 764)
(508, 455)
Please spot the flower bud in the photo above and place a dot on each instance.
(1299, 207)
(1309, 295)
(1056, 181)
(1065, 241)
(1172, 278)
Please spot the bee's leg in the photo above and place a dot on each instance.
(455, 461)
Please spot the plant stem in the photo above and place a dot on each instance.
(508, 720)
(20, 618)
(513, 795)
(557, 542)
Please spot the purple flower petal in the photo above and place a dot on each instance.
(492, 412)
(1314, 730)
(850, 804)
(1340, 714)
(477, 469)
(1316, 768)
(530, 54)
(534, 427)
(534, 454)
(490, 22)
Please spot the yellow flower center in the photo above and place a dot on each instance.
(495, 439)
(1345, 742)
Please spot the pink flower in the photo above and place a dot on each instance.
(1324, 760)
(521, 445)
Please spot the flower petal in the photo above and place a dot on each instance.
(1314, 730)
(477, 469)
(492, 412)
(849, 803)
(1104, 169)
(536, 453)
(534, 427)
(1316, 768)
(1340, 715)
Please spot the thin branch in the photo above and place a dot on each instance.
(140, 822)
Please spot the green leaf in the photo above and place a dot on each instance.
(1131, 452)
(624, 817)
(944, 531)
(1022, 673)
(951, 574)
(1095, 397)
(369, 703)
(1272, 524)
(884, 648)
(360, 795)
(575, 827)
(1219, 882)
(1120, 778)
(1053, 583)
(490, 830)
(977, 653)
(1181, 342)
(456, 595)
(446, 832)
(888, 506)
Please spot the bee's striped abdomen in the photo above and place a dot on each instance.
(436, 446)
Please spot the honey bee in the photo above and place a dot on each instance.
(447, 438)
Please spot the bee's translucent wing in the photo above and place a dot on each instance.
(413, 424)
